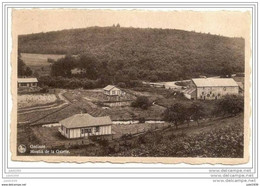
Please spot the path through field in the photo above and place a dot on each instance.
(48, 107)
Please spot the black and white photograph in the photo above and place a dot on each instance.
(131, 84)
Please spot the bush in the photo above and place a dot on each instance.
(141, 102)
(121, 85)
(50, 60)
(44, 89)
(141, 120)
(230, 105)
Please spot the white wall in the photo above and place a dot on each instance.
(215, 91)
(104, 130)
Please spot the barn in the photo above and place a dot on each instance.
(27, 82)
(85, 125)
(111, 90)
(214, 88)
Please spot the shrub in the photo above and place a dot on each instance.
(230, 105)
(141, 102)
(121, 85)
(141, 120)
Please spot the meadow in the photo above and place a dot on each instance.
(39, 62)
(32, 100)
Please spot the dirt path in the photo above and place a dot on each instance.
(48, 107)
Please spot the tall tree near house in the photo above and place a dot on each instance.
(197, 112)
(175, 114)
(89, 63)
(23, 70)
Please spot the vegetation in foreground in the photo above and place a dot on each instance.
(225, 138)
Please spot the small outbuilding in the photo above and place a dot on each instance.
(85, 125)
(27, 82)
(111, 90)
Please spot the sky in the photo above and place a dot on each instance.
(225, 23)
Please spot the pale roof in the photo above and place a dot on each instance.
(85, 120)
(215, 82)
(27, 80)
(110, 87)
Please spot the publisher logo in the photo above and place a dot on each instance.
(22, 148)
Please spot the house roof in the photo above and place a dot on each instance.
(110, 87)
(215, 82)
(27, 80)
(85, 120)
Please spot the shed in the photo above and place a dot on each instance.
(112, 90)
(27, 82)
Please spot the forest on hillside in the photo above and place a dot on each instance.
(138, 53)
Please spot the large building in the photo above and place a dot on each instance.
(111, 90)
(27, 82)
(85, 125)
(211, 88)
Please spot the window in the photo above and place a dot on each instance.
(67, 131)
(218, 94)
(210, 92)
(202, 93)
(208, 95)
(98, 129)
(87, 130)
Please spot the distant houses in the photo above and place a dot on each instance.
(85, 125)
(211, 88)
(111, 90)
(27, 82)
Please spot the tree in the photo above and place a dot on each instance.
(231, 105)
(226, 70)
(63, 66)
(175, 114)
(23, 70)
(141, 102)
(196, 112)
(88, 63)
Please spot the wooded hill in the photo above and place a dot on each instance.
(154, 54)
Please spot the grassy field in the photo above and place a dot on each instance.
(38, 62)
(32, 100)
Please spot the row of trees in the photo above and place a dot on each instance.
(91, 67)
(230, 105)
(144, 54)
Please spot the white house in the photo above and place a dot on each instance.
(112, 90)
(84, 125)
(27, 82)
(214, 88)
